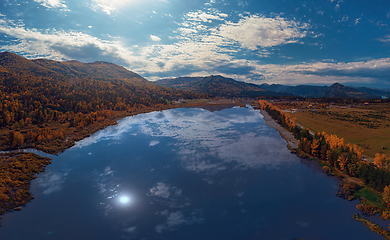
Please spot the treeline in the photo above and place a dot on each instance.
(44, 100)
(340, 158)
(284, 119)
(35, 100)
(332, 150)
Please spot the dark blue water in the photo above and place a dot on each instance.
(184, 174)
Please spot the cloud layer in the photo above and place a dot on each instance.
(53, 4)
(255, 31)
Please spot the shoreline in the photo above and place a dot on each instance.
(351, 188)
(10, 157)
(73, 134)
(292, 143)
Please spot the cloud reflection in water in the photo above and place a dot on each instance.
(205, 142)
(178, 218)
(202, 142)
(51, 182)
(217, 132)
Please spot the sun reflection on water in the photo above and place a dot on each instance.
(124, 199)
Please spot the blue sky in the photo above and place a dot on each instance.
(260, 41)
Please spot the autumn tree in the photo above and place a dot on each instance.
(15, 138)
(315, 148)
(386, 194)
(343, 160)
(380, 160)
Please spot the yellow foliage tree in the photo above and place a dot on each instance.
(380, 160)
(343, 160)
(386, 194)
(315, 147)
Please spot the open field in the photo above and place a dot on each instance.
(366, 125)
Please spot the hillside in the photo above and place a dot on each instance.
(49, 105)
(218, 86)
(44, 101)
(334, 91)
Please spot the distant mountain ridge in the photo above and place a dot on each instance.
(226, 87)
(73, 73)
(218, 86)
(336, 90)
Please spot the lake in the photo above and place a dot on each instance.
(184, 174)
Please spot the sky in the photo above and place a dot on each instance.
(289, 42)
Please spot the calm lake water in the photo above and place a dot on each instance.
(184, 174)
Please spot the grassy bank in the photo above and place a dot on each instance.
(361, 179)
(367, 126)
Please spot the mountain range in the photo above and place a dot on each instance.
(334, 91)
(219, 86)
(226, 87)
(72, 80)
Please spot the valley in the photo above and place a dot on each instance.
(52, 106)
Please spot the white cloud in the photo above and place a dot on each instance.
(344, 19)
(242, 3)
(65, 45)
(202, 48)
(385, 39)
(210, 3)
(256, 31)
(110, 6)
(202, 16)
(357, 20)
(53, 4)
(371, 71)
(153, 143)
(206, 47)
(155, 38)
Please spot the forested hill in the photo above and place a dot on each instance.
(42, 93)
(96, 70)
(218, 86)
(80, 87)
